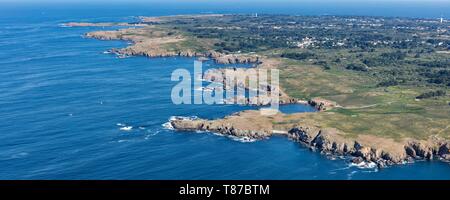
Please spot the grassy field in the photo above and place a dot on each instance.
(365, 107)
(375, 85)
(391, 112)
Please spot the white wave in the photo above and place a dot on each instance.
(126, 128)
(123, 56)
(168, 126)
(242, 139)
(120, 124)
(235, 138)
(364, 165)
(173, 118)
(218, 134)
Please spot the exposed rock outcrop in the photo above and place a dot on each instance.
(152, 42)
(428, 150)
(322, 104)
(218, 127)
(153, 47)
(326, 141)
(382, 151)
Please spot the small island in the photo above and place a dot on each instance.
(381, 85)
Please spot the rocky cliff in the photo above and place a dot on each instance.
(381, 151)
(155, 46)
(152, 42)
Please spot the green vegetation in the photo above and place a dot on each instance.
(395, 51)
(430, 94)
(298, 56)
(390, 76)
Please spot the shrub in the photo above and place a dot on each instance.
(357, 67)
(430, 94)
(298, 56)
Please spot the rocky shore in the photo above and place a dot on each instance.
(154, 46)
(266, 91)
(365, 148)
(151, 41)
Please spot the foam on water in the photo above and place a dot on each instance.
(126, 128)
(168, 125)
(364, 165)
(235, 138)
(242, 139)
(64, 73)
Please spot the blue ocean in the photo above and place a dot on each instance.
(70, 111)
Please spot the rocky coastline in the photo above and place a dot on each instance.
(152, 48)
(261, 62)
(325, 141)
(215, 56)
(250, 124)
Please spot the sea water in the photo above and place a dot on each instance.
(69, 111)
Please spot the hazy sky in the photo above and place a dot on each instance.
(398, 8)
(347, 1)
(411, 6)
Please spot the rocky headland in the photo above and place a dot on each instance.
(329, 141)
(151, 40)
